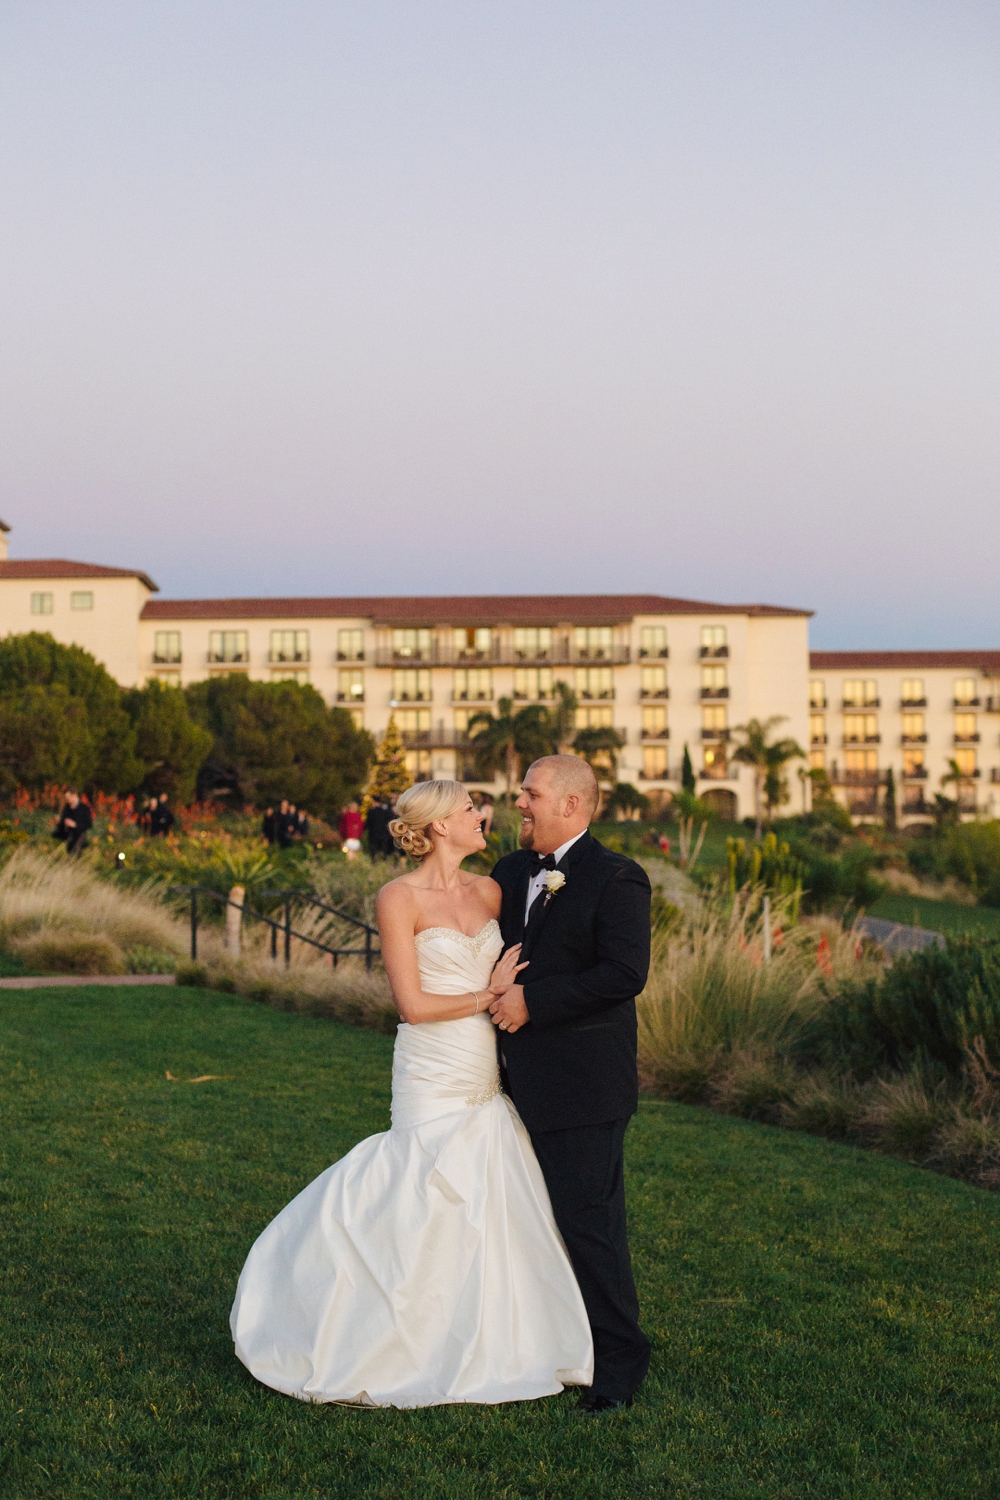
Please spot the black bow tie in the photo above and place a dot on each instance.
(541, 862)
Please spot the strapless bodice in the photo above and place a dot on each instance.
(438, 1066)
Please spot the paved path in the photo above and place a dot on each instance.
(33, 982)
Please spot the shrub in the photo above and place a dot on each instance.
(68, 953)
(824, 1105)
(905, 1114)
(754, 1086)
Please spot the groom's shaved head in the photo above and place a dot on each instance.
(569, 775)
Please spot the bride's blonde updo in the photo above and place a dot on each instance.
(417, 809)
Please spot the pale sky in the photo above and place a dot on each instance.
(689, 298)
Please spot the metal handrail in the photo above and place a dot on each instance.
(367, 952)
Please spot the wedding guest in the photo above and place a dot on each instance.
(283, 824)
(302, 824)
(380, 841)
(268, 828)
(350, 828)
(146, 816)
(161, 819)
(75, 822)
(486, 808)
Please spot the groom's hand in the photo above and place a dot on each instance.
(509, 1011)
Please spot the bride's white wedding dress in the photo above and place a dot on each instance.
(425, 1266)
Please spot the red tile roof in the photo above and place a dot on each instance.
(59, 567)
(903, 661)
(471, 610)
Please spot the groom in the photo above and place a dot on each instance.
(568, 1043)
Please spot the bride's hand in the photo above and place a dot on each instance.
(506, 970)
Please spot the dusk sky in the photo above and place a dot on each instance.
(345, 298)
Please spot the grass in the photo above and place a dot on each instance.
(940, 916)
(824, 1320)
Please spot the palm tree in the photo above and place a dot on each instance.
(599, 748)
(509, 741)
(766, 759)
(562, 719)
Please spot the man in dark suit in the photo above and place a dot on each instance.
(568, 1043)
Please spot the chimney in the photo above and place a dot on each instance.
(4, 528)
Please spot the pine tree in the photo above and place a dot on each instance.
(389, 775)
(688, 783)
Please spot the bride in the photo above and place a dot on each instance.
(425, 1266)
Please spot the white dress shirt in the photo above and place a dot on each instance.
(536, 882)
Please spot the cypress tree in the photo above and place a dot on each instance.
(688, 783)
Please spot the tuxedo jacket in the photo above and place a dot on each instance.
(574, 1062)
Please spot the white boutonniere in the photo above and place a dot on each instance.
(554, 881)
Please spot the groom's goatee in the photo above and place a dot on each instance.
(526, 836)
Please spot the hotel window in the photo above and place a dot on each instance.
(860, 729)
(966, 762)
(82, 600)
(411, 686)
(913, 692)
(714, 762)
(291, 674)
(913, 727)
(595, 718)
(913, 764)
(965, 691)
(594, 682)
(653, 640)
(713, 640)
(289, 645)
(472, 685)
(415, 644)
(653, 682)
(654, 763)
(714, 722)
(654, 722)
(532, 640)
(419, 765)
(41, 604)
(593, 641)
(350, 685)
(965, 728)
(228, 646)
(532, 682)
(817, 693)
(713, 682)
(861, 693)
(476, 643)
(817, 729)
(412, 721)
(350, 645)
(167, 679)
(817, 760)
(861, 764)
(167, 647)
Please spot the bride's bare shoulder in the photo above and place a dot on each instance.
(396, 894)
(487, 890)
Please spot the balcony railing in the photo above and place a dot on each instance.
(916, 806)
(708, 652)
(721, 772)
(815, 704)
(597, 695)
(819, 739)
(913, 702)
(470, 697)
(350, 697)
(663, 775)
(715, 692)
(965, 702)
(850, 707)
(417, 697)
(858, 778)
(435, 739)
(913, 739)
(965, 739)
(660, 655)
(655, 734)
(916, 773)
(715, 734)
(862, 739)
(866, 808)
(288, 658)
(350, 656)
(229, 658)
(560, 653)
(166, 661)
(663, 692)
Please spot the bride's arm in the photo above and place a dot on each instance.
(395, 912)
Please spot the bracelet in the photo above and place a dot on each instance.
(475, 996)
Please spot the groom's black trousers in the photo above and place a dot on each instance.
(583, 1172)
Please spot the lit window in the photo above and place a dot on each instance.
(913, 764)
(419, 765)
(595, 718)
(913, 690)
(713, 640)
(415, 644)
(965, 727)
(81, 600)
(817, 729)
(593, 641)
(965, 690)
(41, 604)
(913, 727)
(411, 686)
(168, 678)
(532, 682)
(653, 640)
(653, 682)
(714, 763)
(475, 643)
(291, 674)
(654, 763)
(713, 682)
(289, 645)
(966, 762)
(714, 720)
(228, 646)
(860, 692)
(350, 645)
(817, 760)
(167, 646)
(859, 728)
(654, 722)
(594, 682)
(531, 640)
(412, 721)
(350, 685)
(817, 693)
(472, 685)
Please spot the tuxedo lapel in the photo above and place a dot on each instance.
(520, 898)
(540, 908)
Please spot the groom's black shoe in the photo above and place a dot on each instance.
(592, 1404)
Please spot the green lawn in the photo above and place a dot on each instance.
(940, 916)
(824, 1320)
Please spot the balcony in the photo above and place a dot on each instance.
(708, 693)
(916, 773)
(435, 739)
(819, 739)
(288, 658)
(913, 739)
(714, 653)
(961, 703)
(913, 702)
(350, 698)
(560, 653)
(716, 735)
(416, 697)
(916, 807)
(473, 697)
(655, 734)
(864, 808)
(965, 739)
(815, 704)
(663, 775)
(850, 707)
(660, 655)
(993, 705)
(862, 739)
(166, 661)
(857, 778)
(597, 695)
(663, 692)
(350, 656)
(721, 772)
(229, 658)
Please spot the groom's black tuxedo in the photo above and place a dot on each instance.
(571, 1072)
(588, 954)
